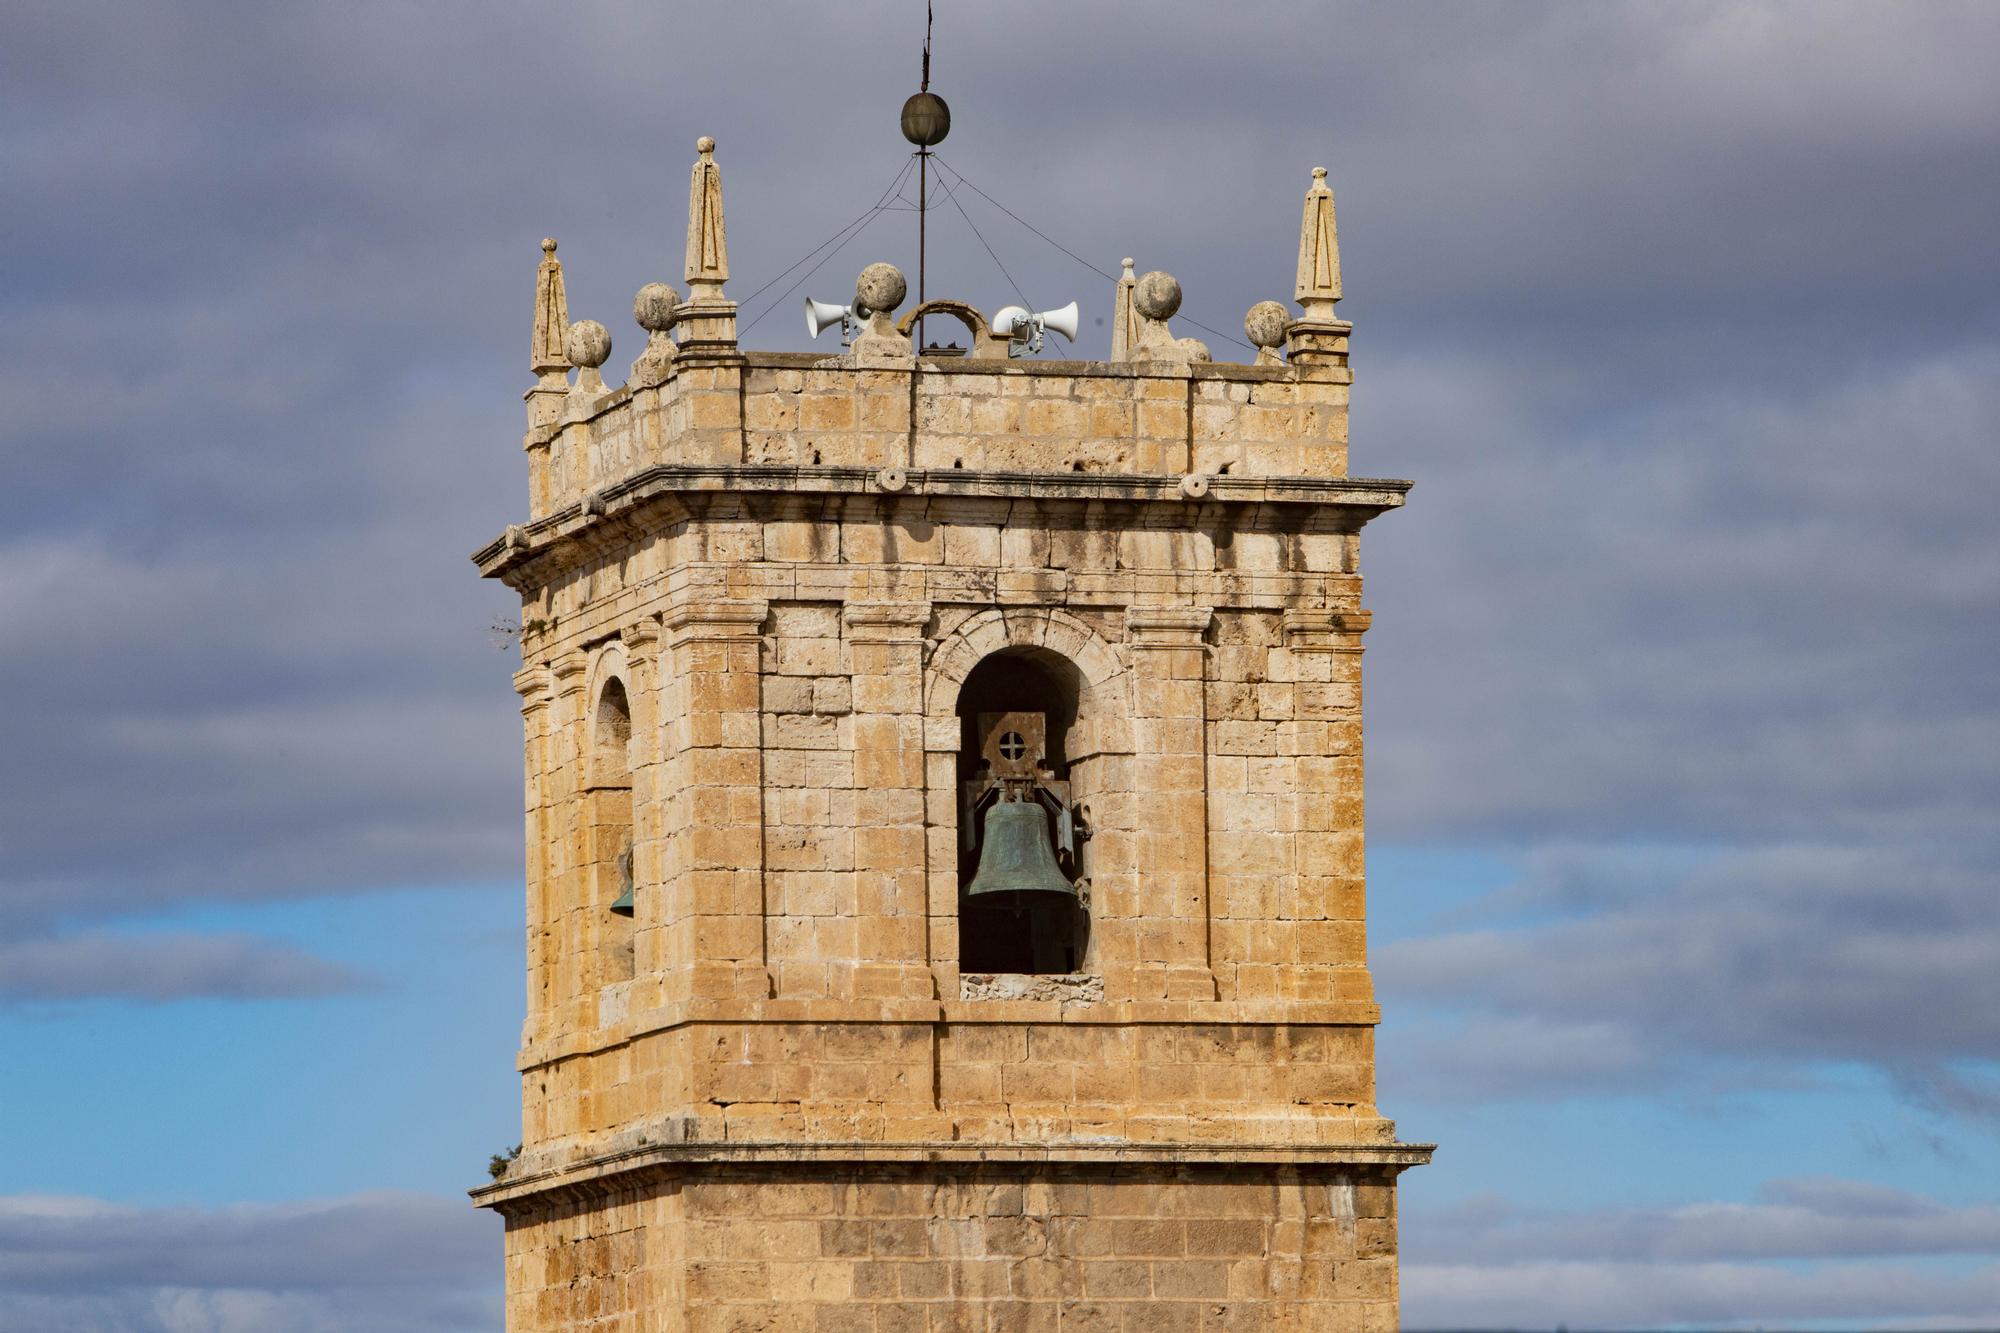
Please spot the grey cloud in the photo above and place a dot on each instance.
(399, 1263)
(1814, 1218)
(1804, 1249)
(1639, 630)
(1610, 1295)
(1744, 959)
(1490, 1056)
(280, 278)
(1967, 1091)
(218, 734)
(1795, 955)
(1730, 698)
(182, 965)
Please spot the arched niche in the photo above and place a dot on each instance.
(1026, 700)
(1050, 661)
(609, 881)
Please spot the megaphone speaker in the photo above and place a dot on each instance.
(824, 314)
(1063, 321)
(1008, 319)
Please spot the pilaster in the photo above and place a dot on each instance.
(713, 820)
(1331, 963)
(1169, 726)
(567, 861)
(647, 756)
(885, 656)
(533, 683)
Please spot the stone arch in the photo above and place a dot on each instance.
(607, 661)
(606, 816)
(984, 344)
(608, 667)
(1035, 629)
(1097, 746)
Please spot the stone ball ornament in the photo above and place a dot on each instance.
(588, 344)
(879, 289)
(654, 307)
(926, 120)
(1265, 324)
(1157, 295)
(705, 144)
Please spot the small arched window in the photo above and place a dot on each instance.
(611, 737)
(608, 825)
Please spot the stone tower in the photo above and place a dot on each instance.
(794, 628)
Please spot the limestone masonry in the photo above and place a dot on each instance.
(807, 642)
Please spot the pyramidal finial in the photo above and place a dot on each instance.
(708, 237)
(1319, 252)
(546, 357)
(1124, 323)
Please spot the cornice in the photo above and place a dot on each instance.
(617, 1170)
(668, 490)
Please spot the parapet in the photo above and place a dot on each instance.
(1161, 407)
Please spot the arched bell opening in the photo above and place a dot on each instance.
(608, 825)
(1022, 887)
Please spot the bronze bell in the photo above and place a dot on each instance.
(624, 903)
(1016, 856)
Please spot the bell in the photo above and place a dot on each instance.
(623, 903)
(1017, 857)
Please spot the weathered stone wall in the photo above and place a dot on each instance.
(794, 797)
(1029, 416)
(968, 1072)
(964, 1249)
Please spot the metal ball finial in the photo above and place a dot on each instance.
(926, 120)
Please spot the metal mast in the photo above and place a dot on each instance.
(926, 120)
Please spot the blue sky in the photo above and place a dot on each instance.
(1683, 705)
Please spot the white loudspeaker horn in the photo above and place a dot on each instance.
(821, 315)
(1008, 318)
(1025, 327)
(1063, 321)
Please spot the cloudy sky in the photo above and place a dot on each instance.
(1684, 712)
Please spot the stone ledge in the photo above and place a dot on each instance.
(966, 1013)
(614, 1170)
(1360, 497)
(1049, 368)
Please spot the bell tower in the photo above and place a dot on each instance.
(944, 824)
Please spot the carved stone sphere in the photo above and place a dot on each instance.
(1157, 295)
(880, 288)
(926, 120)
(1266, 324)
(588, 344)
(654, 307)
